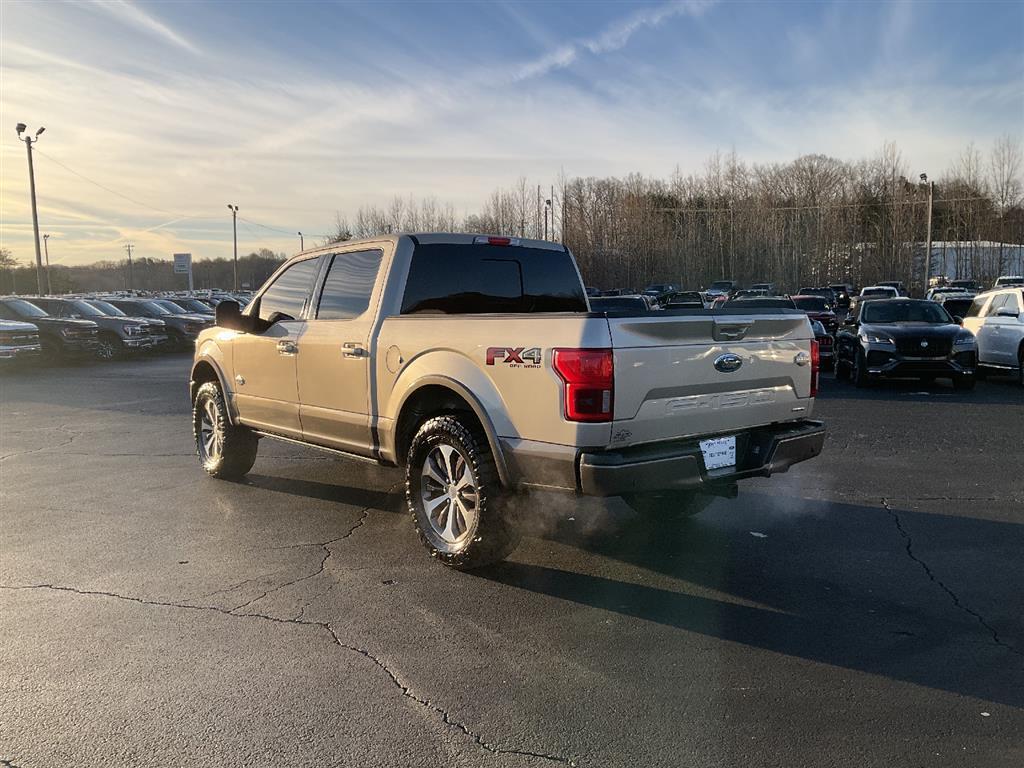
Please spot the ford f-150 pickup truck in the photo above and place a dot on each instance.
(475, 363)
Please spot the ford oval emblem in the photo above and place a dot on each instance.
(728, 362)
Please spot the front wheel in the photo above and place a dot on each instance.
(226, 451)
(860, 372)
(109, 347)
(455, 497)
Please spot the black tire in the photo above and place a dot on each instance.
(238, 444)
(491, 532)
(668, 506)
(109, 347)
(1020, 366)
(963, 383)
(860, 373)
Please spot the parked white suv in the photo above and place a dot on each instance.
(996, 318)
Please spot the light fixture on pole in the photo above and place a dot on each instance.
(302, 243)
(46, 251)
(928, 247)
(234, 233)
(547, 209)
(29, 141)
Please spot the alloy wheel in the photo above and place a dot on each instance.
(210, 437)
(449, 494)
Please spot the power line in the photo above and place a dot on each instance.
(121, 195)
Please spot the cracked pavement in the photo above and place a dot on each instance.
(151, 616)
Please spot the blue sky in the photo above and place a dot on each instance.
(297, 110)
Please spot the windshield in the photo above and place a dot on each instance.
(106, 307)
(905, 312)
(170, 306)
(811, 304)
(878, 292)
(156, 308)
(84, 308)
(721, 285)
(766, 302)
(26, 309)
(194, 305)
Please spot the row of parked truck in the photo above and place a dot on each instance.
(107, 327)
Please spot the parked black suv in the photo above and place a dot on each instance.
(61, 338)
(905, 338)
(182, 329)
(117, 335)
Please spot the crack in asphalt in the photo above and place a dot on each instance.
(405, 690)
(326, 546)
(59, 428)
(941, 584)
(7, 763)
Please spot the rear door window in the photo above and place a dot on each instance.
(287, 295)
(349, 283)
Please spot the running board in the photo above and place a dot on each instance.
(335, 451)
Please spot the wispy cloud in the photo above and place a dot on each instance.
(614, 37)
(131, 14)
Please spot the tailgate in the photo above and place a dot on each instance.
(702, 374)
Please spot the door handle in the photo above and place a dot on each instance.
(352, 349)
(287, 347)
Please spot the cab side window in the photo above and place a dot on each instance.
(1012, 303)
(997, 302)
(286, 297)
(348, 286)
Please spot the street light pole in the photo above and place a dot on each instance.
(46, 250)
(928, 247)
(29, 141)
(302, 243)
(234, 234)
(547, 209)
(131, 276)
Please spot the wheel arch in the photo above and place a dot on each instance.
(206, 369)
(436, 395)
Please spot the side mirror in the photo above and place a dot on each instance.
(229, 315)
(958, 320)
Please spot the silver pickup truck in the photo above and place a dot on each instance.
(475, 363)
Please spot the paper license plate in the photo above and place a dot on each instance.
(719, 452)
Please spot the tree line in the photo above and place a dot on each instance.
(813, 220)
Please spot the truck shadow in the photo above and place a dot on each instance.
(833, 584)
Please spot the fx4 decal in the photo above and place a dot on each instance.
(515, 357)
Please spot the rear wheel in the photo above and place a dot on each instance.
(455, 497)
(226, 451)
(964, 383)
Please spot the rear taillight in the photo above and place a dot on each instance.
(815, 366)
(589, 376)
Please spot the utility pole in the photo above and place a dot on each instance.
(928, 247)
(131, 277)
(547, 209)
(29, 141)
(302, 243)
(234, 232)
(46, 250)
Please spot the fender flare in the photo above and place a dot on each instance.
(204, 358)
(478, 409)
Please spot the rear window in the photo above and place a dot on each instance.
(464, 278)
(811, 304)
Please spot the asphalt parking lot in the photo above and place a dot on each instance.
(865, 609)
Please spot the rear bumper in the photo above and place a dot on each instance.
(679, 465)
